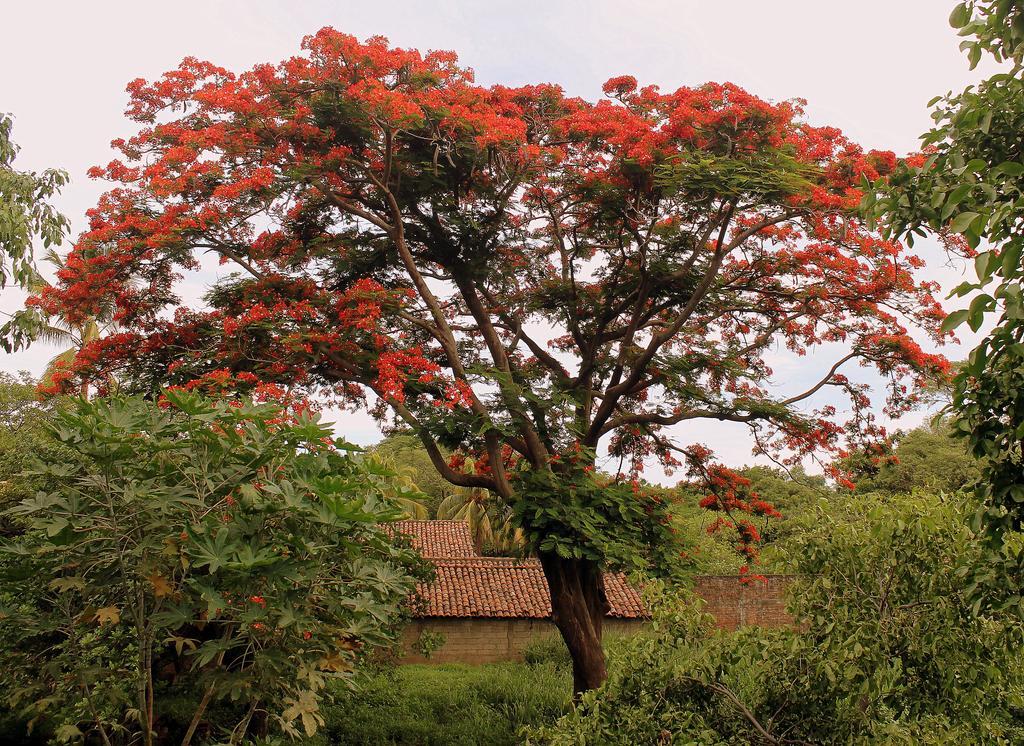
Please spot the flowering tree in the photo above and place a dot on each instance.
(522, 278)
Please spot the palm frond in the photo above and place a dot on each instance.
(55, 335)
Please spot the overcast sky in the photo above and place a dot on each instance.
(868, 67)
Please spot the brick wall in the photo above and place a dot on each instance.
(734, 604)
(487, 640)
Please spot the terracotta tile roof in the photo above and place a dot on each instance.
(508, 588)
(468, 585)
(439, 538)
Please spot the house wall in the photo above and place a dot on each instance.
(487, 640)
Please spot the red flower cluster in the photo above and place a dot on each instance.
(729, 493)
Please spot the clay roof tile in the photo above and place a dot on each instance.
(439, 538)
(509, 588)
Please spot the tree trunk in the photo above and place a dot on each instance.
(578, 606)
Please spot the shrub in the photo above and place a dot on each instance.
(228, 550)
(551, 650)
(23, 421)
(888, 650)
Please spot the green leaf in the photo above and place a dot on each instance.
(1010, 168)
(55, 526)
(954, 320)
(976, 314)
(964, 288)
(960, 16)
(1011, 259)
(958, 194)
(974, 56)
(985, 264)
(68, 732)
(70, 583)
(962, 221)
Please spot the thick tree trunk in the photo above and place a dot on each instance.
(578, 605)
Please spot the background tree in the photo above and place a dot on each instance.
(797, 496)
(521, 278)
(969, 188)
(491, 522)
(928, 458)
(405, 448)
(402, 489)
(24, 435)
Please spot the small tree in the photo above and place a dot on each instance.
(227, 547)
(522, 278)
(24, 423)
(968, 188)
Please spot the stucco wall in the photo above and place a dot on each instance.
(478, 640)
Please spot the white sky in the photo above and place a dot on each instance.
(867, 67)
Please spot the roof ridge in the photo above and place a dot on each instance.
(429, 520)
(486, 560)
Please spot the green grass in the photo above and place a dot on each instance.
(447, 705)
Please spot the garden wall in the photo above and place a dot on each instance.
(734, 604)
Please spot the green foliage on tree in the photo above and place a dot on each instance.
(887, 651)
(229, 550)
(26, 214)
(992, 26)
(928, 458)
(972, 183)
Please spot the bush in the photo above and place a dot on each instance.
(218, 551)
(23, 435)
(888, 651)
